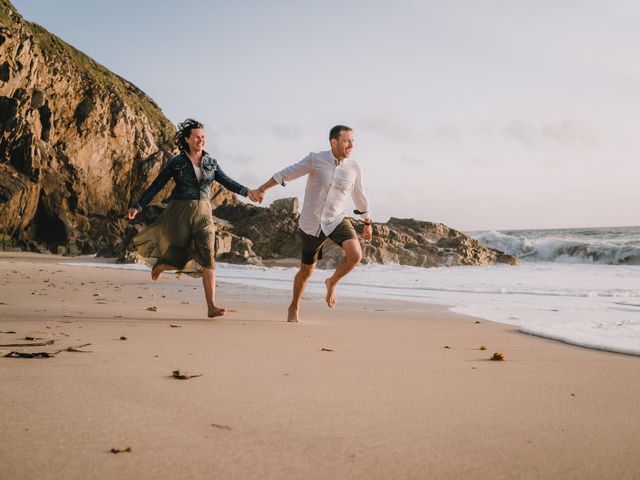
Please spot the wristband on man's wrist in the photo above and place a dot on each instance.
(367, 222)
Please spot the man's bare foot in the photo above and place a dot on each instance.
(158, 269)
(331, 293)
(216, 312)
(293, 315)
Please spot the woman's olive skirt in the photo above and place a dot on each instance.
(182, 237)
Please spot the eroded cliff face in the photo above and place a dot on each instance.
(78, 143)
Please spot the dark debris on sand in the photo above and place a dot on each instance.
(222, 427)
(29, 355)
(117, 450)
(15, 354)
(183, 376)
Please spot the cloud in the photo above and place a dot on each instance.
(391, 127)
(399, 129)
(571, 133)
(522, 131)
(568, 132)
(445, 132)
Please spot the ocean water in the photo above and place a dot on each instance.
(579, 286)
(610, 245)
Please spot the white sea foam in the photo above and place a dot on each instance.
(591, 305)
(614, 246)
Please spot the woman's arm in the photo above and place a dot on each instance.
(230, 184)
(160, 181)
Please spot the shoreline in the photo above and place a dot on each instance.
(471, 296)
(371, 389)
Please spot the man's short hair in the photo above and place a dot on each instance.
(335, 131)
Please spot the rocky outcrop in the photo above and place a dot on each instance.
(255, 235)
(273, 233)
(78, 143)
(427, 244)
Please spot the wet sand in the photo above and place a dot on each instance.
(367, 390)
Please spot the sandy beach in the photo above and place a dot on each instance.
(368, 390)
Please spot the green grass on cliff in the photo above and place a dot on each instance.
(100, 80)
(6, 9)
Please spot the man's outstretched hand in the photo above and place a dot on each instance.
(367, 232)
(256, 195)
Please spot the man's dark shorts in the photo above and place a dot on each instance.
(312, 246)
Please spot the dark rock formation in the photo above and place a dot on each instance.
(427, 244)
(273, 233)
(250, 234)
(77, 143)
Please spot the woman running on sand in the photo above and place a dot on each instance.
(183, 237)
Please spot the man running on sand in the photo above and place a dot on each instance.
(332, 176)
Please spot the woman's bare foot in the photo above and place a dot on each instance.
(158, 269)
(292, 316)
(331, 293)
(216, 312)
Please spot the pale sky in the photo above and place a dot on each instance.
(479, 114)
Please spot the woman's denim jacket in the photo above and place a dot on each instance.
(187, 186)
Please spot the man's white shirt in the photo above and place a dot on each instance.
(329, 184)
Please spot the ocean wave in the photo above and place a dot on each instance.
(563, 249)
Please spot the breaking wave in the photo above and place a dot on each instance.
(579, 246)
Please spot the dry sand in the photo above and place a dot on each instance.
(387, 399)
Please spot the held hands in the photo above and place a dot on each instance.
(256, 195)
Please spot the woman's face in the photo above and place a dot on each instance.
(196, 140)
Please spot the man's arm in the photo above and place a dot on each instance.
(303, 167)
(362, 206)
(267, 185)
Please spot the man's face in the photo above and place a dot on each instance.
(196, 140)
(342, 146)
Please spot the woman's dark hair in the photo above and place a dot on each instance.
(184, 131)
(337, 130)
